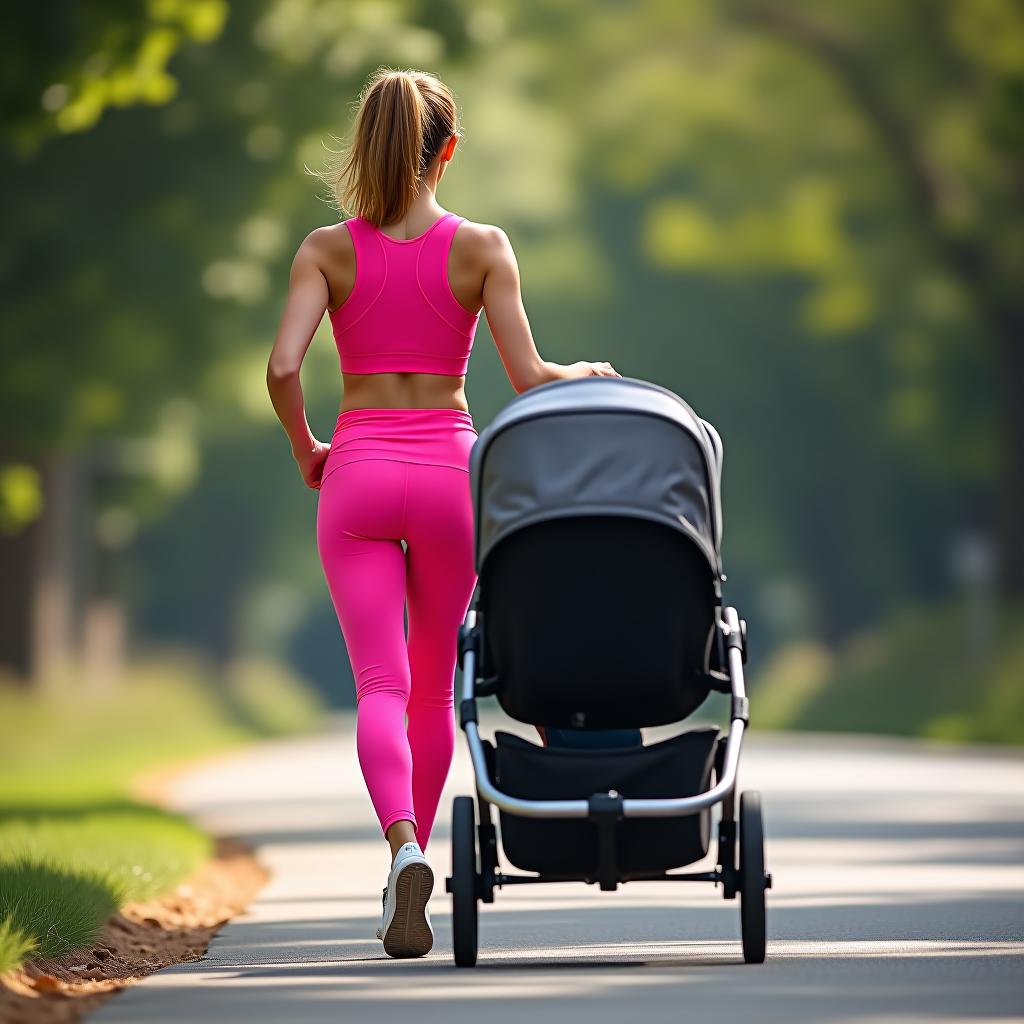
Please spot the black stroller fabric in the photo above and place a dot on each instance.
(676, 767)
(598, 527)
(597, 622)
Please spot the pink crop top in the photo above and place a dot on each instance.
(401, 315)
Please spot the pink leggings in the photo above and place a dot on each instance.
(395, 474)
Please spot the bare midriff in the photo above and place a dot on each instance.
(403, 391)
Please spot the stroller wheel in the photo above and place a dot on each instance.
(752, 880)
(464, 882)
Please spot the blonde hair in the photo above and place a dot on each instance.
(403, 120)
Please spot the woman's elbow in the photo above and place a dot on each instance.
(521, 384)
(530, 377)
(281, 369)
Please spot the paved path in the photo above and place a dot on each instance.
(899, 896)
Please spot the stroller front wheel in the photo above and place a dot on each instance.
(464, 883)
(752, 879)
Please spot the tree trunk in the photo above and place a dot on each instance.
(16, 559)
(103, 644)
(52, 598)
(1011, 505)
(39, 591)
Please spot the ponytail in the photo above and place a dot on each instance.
(403, 120)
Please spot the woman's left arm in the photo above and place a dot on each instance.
(308, 295)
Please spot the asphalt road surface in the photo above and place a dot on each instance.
(898, 896)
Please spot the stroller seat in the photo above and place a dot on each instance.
(600, 622)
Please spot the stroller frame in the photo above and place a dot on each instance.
(740, 866)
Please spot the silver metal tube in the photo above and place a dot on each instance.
(671, 808)
(732, 620)
(513, 804)
(469, 664)
(689, 804)
(469, 676)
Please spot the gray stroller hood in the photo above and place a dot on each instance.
(597, 446)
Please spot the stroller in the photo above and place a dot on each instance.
(599, 606)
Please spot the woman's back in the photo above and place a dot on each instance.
(400, 315)
(404, 310)
(464, 259)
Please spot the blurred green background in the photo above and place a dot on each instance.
(805, 218)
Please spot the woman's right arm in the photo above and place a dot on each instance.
(308, 296)
(506, 317)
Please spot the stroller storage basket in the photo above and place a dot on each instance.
(679, 766)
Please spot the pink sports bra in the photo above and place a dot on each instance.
(401, 315)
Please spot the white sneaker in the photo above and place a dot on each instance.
(405, 923)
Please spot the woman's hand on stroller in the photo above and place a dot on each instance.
(311, 463)
(602, 369)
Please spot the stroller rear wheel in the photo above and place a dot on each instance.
(752, 878)
(463, 883)
(487, 840)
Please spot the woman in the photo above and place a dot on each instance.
(403, 282)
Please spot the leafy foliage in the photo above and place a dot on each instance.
(805, 218)
(909, 676)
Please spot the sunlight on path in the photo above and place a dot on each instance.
(899, 896)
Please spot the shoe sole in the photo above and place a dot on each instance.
(409, 934)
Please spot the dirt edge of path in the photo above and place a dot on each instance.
(140, 939)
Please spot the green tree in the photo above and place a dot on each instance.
(869, 150)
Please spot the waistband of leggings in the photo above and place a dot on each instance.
(405, 415)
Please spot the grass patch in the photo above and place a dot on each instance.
(74, 845)
(911, 677)
(64, 871)
(137, 851)
(48, 911)
(72, 741)
(15, 945)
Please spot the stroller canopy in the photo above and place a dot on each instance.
(597, 446)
